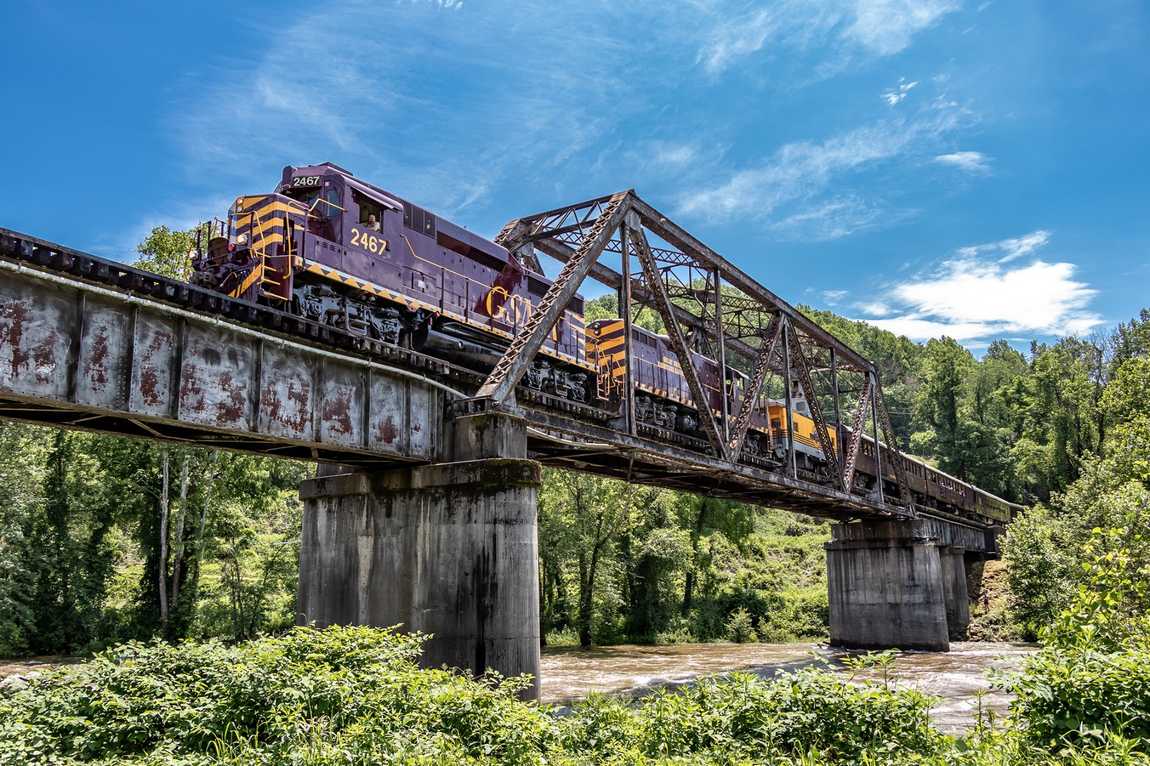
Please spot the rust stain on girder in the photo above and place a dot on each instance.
(336, 412)
(150, 385)
(387, 430)
(231, 406)
(15, 314)
(97, 367)
(287, 405)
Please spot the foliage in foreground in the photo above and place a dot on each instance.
(356, 696)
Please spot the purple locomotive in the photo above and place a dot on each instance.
(340, 251)
(330, 247)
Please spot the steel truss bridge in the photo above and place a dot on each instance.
(93, 344)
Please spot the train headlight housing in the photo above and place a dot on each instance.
(241, 239)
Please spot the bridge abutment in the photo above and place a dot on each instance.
(447, 549)
(895, 584)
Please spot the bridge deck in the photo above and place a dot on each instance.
(92, 344)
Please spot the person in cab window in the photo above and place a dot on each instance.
(372, 222)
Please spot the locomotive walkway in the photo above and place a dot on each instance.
(425, 509)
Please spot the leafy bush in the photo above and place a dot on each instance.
(742, 718)
(322, 693)
(1074, 695)
(741, 627)
(1091, 682)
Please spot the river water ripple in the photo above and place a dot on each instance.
(956, 677)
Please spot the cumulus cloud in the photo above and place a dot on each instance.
(972, 162)
(973, 297)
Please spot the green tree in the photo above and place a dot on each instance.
(946, 367)
(167, 252)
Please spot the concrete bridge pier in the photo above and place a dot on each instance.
(448, 549)
(895, 584)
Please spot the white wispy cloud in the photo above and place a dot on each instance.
(972, 297)
(886, 27)
(896, 95)
(790, 190)
(1011, 248)
(672, 154)
(834, 219)
(874, 308)
(834, 296)
(843, 27)
(378, 106)
(971, 162)
(121, 244)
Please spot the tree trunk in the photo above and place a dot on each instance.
(583, 618)
(689, 579)
(178, 568)
(162, 563)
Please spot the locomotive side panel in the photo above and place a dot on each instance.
(366, 240)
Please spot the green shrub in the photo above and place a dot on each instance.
(742, 718)
(318, 692)
(1073, 695)
(741, 627)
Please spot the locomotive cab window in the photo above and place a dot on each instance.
(370, 212)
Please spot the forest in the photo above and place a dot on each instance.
(104, 539)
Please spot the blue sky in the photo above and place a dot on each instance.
(936, 166)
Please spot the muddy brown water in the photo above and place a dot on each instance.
(958, 678)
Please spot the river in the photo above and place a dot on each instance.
(956, 678)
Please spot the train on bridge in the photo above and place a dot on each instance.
(335, 249)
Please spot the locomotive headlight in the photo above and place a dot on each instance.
(241, 239)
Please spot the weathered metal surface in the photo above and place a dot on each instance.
(35, 353)
(86, 356)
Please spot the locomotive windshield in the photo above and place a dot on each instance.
(306, 196)
(323, 204)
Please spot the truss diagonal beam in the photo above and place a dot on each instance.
(898, 462)
(514, 238)
(520, 354)
(679, 237)
(804, 370)
(639, 292)
(678, 342)
(856, 436)
(755, 386)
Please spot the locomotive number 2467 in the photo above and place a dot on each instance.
(368, 241)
